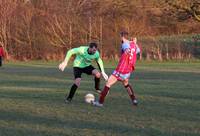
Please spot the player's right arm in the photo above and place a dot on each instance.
(68, 56)
(125, 47)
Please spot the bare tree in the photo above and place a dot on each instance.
(184, 9)
(7, 8)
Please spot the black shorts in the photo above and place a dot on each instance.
(87, 70)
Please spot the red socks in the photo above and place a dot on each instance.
(130, 92)
(106, 89)
(103, 94)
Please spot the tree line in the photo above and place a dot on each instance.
(45, 29)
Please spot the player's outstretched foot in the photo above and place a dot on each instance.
(96, 103)
(135, 102)
(67, 100)
(98, 91)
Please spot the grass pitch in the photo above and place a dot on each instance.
(31, 102)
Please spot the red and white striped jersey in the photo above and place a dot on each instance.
(128, 58)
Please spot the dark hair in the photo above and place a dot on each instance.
(93, 45)
(124, 34)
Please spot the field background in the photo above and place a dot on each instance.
(31, 102)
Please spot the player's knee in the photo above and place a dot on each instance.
(98, 75)
(78, 82)
(125, 83)
(108, 84)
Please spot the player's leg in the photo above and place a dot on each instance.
(90, 70)
(111, 80)
(77, 75)
(73, 89)
(97, 76)
(130, 91)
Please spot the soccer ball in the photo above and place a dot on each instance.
(89, 98)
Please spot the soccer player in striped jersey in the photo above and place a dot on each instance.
(2, 54)
(82, 64)
(125, 67)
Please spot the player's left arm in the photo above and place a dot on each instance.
(126, 48)
(101, 67)
(137, 49)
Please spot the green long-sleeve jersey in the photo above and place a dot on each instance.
(83, 59)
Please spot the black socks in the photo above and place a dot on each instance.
(72, 92)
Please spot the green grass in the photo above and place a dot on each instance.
(31, 102)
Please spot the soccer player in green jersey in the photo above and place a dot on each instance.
(82, 64)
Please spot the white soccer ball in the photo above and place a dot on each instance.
(89, 98)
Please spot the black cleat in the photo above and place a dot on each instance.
(67, 100)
